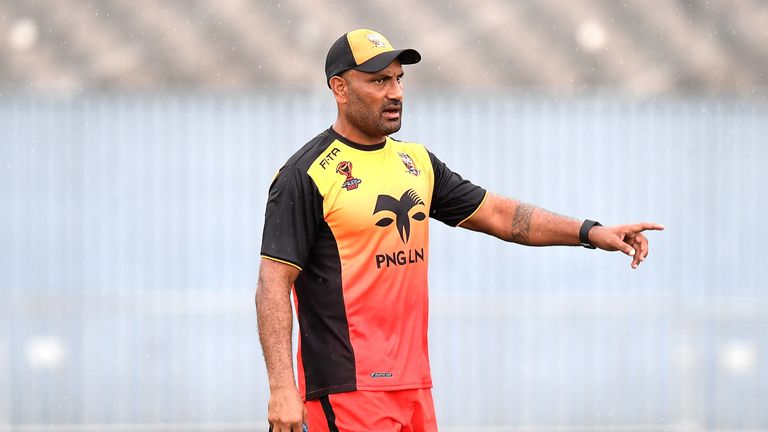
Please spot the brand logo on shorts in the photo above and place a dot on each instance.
(345, 169)
(381, 375)
(408, 162)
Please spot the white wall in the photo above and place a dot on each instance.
(130, 230)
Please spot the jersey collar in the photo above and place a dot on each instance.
(354, 145)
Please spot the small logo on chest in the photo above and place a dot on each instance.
(345, 169)
(408, 162)
(329, 157)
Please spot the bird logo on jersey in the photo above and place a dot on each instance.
(345, 169)
(400, 208)
(408, 162)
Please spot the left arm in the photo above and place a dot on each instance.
(515, 221)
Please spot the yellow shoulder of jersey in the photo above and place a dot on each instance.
(416, 151)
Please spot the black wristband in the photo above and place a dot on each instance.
(584, 233)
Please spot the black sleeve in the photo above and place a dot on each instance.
(293, 216)
(453, 198)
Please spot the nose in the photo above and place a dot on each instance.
(395, 91)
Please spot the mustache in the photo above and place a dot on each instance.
(392, 104)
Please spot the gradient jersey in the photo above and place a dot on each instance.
(354, 220)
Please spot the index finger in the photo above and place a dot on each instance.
(646, 226)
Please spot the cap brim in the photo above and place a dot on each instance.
(379, 62)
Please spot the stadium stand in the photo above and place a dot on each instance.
(637, 46)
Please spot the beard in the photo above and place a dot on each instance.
(371, 120)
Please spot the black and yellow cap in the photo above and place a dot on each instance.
(364, 50)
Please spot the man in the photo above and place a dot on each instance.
(346, 229)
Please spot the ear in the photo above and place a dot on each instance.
(339, 88)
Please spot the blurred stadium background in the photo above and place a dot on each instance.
(137, 141)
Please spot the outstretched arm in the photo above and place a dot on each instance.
(515, 221)
(275, 320)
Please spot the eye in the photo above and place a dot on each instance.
(384, 222)
(379, 81)
(419, 216)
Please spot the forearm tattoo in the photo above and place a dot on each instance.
(521, 223)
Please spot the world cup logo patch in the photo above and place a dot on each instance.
(345, 169)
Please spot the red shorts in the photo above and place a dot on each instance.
(373, 411)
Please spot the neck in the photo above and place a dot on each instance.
(345, 129)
